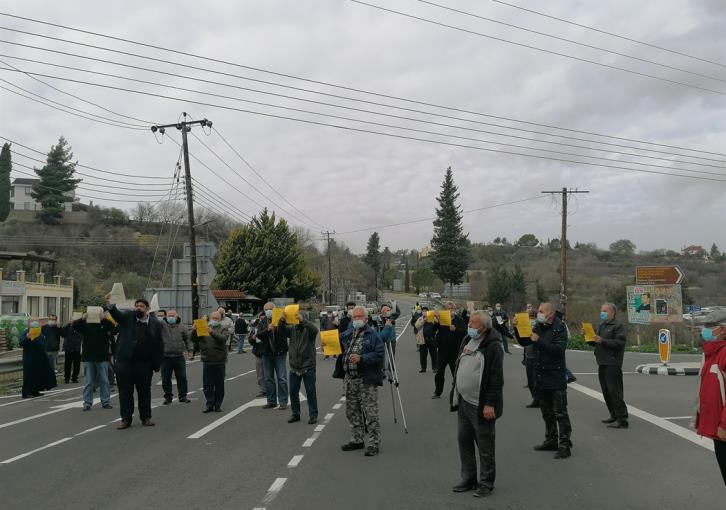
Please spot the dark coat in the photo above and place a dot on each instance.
(492, 382)
(97, 340)
(611, 350)
(448, 340)
(214, 346)
(302, 346)
(372, 355)
(549, 356)
(240, 326)
(275, 342)
(126, 343)
(38, 374)
(72, 339)
(52, 336)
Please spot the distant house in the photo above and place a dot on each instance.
(695, 251)
(20, 199)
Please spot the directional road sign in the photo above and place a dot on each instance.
(658, 275)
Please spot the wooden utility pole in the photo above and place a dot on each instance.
(185, 126)
(563, 246)
(330, 267)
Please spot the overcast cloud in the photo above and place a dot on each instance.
(347, 180)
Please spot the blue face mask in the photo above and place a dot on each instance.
(358, 324)
(34, 324)
(473, 332)
(604, 316)
(707, 334)
(214, 323)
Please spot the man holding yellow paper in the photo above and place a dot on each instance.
(609, 352)
(448, 341)
(37, 373)
(302, 367)
(274, 338)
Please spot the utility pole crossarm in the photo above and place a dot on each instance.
(563, 245)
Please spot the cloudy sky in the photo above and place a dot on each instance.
(346, 180)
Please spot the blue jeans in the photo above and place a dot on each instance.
(275, 367)
(308, 379)
(96, 372)
(241, 339)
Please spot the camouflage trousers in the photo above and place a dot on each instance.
(361, 409)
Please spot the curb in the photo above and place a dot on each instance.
(665, 370)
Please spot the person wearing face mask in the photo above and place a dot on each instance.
(609, 352)
(274, 358)
(387, 328)
(477, 397)
(302, 368)
(550, 340)
(362, 361)
(38, 375)
(710, 418)
(344, 322)
(138, 354)
(72, 342)
(448, 342)
(214, 359)
(52, 333)
(177, 345)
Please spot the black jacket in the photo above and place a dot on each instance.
(240, 326)
(611, 350)
(549, 356)
(52, 335)
(126, 344)
(302, 346)
(72, 339)
(448, 340)
(275, 342)
(97, 339)
(492, 382)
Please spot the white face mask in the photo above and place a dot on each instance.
(268, 314)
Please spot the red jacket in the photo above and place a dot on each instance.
(712, 393)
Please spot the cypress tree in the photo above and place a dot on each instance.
(450, 245)
(373, 258)
(6, 166)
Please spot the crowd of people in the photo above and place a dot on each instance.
(471, 346)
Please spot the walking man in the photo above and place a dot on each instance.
(177, 347)
(477, 396)
(363, 354)
(302, 368)
(609, 352)
(550, 340)
(448, 340)
(214, 359)
(274, 358)
(139, 350)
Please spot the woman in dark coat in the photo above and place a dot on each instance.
(38, 375)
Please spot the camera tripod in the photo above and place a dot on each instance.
(394, 382)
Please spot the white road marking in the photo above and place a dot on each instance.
(46, 394)
(31, 452)
(328, 416)
(295, 461)
(683, 432)
(239, 375)
(90, 430)
(596, 373)
(337, 406)
(31, 417)
(309, 441)
(676, 417)
(319, 428)
(252, 403)
(274, 489)
(342, 399)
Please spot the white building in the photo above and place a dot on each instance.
(20, 199)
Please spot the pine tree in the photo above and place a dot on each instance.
(265, 258)
(6, 166)
(450, 246)
(373, 258)
(56, 181)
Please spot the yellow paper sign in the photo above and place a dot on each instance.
(589, 332)
(34, 333)
(524, 327)
(277, 315)
(445, 317)
(202, 327)
(331, 342)
(430, 316)
(291, 312)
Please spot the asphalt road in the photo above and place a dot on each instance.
(53, 455)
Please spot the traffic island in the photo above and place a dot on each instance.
(670, 369)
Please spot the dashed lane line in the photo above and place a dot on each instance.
(26, 454)
(295, 461)
(274, 490)
(309, 441)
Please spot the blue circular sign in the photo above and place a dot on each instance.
(663, 337)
